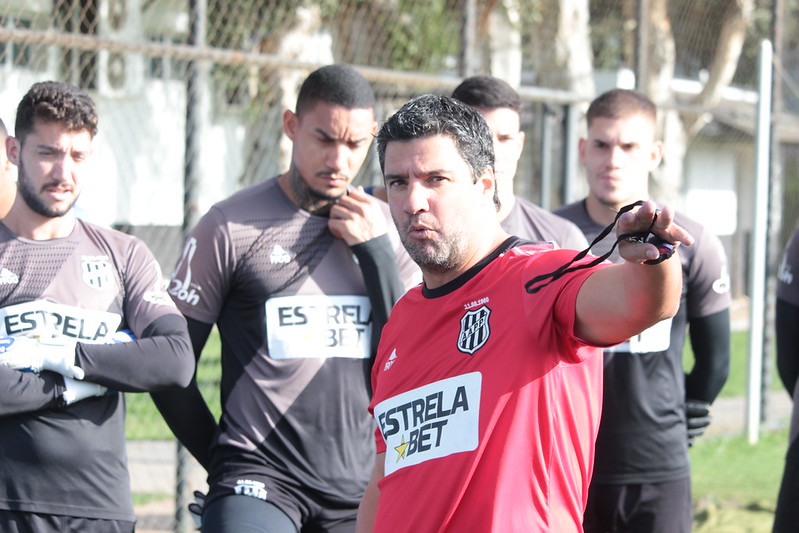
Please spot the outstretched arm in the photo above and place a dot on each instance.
(620, 301)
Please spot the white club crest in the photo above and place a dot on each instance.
(475, 330)
(97, 273)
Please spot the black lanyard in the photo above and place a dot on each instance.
(666, 250)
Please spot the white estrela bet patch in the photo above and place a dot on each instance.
(50, 320)
(319, 326)
(432, 421)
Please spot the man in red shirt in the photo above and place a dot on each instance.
(487, 397)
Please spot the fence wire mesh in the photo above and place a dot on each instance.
(191, 96)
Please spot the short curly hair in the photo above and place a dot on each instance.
(56, 102)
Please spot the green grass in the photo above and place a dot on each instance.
(735, 483)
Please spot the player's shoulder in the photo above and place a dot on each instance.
(99, 233)
(243, 199)
(539, 212)
(569, 209)
(524, 249)
(118, 243)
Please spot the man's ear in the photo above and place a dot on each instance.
(581, 151)
(488, 182)
(656, 155)
(13, 149)
(290, 121)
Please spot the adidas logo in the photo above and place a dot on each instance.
(7, 277)
(279, 255)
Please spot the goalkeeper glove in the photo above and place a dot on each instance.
(75, 391)
(196, 509)
(25, 353)
(697, 414)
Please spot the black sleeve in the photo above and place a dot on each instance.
(710, 340)
(787, 326)
(160, 359)
(25, 392)
(185, 410)
(378, 264)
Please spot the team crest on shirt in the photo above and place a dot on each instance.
(97, 272)
(475, 330)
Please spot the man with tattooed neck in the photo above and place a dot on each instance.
(298, 273)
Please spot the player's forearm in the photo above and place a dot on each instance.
(787, 318)
(620, 301)
(26, 392)
(188, 416)
(161, 358)
(710, 342)
(378, 264)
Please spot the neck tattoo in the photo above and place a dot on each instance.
(305, 198)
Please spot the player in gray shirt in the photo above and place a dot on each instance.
(299, 274)
(66, 288)
(652, 409)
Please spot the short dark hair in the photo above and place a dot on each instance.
(621, 103)
(429, 115)
(335, 84)
(487, 92)
(53, 101)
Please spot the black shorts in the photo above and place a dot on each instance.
(23, 522)
(639, 507)
(241, 480)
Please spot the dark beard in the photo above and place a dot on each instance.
(308, 199)
(34, 202)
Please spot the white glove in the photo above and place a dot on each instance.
(75, 391)
(25, 353)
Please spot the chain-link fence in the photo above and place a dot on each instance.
(191, 96)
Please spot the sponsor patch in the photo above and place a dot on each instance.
(318, 326)
(430, 422)
(50, 320)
